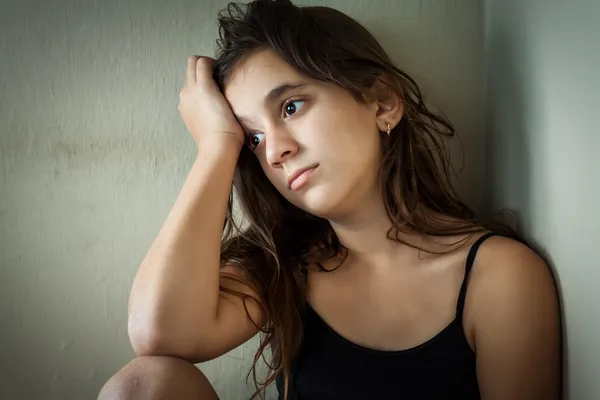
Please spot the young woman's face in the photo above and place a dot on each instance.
(293, 123)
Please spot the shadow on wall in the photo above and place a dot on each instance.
(509, 145)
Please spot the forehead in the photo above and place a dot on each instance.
(256, 75)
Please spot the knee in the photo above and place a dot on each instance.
(154, 378)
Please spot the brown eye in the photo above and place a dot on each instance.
(292, 107)
(254, 140)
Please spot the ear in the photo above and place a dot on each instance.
(387, 102)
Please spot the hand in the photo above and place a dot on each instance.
(203, 107)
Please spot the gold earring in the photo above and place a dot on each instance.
(389, 130)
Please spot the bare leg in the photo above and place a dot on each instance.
(158, 378)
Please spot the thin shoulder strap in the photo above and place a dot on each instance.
(470, 260)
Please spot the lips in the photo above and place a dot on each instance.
(299, 177)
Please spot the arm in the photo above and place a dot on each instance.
(175, 305)
(516, 323)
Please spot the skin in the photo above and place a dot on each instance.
(511, 317)
(343, 187)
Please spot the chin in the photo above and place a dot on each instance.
(319, 201)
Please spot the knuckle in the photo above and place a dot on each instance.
(204, 63)
(203, 60)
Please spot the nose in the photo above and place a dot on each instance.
(280, 146)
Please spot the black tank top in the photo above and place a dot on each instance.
(330, 367)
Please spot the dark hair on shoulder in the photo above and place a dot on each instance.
(280, 240)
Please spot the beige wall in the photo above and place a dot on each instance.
(93, 153)
(544, 143)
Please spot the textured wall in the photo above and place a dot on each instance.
(543, 99)
(93, 153)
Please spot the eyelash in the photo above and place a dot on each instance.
(282, 109)
(288, 102)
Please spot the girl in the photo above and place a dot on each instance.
(366, 274)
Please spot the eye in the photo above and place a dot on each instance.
(291, 107)
(254, 139)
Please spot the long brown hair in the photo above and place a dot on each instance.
(280, 240)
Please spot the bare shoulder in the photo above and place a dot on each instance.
(505, 266)
(512, 315)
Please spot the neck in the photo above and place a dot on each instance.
(364, 232)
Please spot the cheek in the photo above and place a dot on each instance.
(353, 122)
(356, 139)
(275, 176)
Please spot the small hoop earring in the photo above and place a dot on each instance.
(389, 130)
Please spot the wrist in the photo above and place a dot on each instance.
(219, 148)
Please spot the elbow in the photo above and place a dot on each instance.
(144, 338)
(147, 334)
(149, 340)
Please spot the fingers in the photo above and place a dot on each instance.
(199, 68)
(190, 77)
(204, 68)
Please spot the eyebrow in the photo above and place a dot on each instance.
(276, 93)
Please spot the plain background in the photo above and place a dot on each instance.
(543, 98)
(93, 153)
